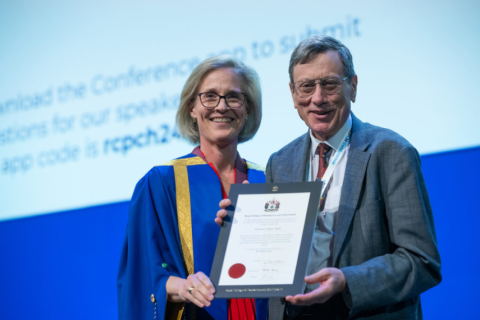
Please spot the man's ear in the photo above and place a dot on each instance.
(292, 92)
(291, 87)
(353, 93)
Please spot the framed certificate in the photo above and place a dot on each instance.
(265, 240)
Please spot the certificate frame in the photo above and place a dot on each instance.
(267, 290)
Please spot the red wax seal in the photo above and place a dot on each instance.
(236, 271)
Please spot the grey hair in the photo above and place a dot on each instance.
(308, 49)
(250, 84)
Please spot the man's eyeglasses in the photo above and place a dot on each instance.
(306, 88)
(234, 99)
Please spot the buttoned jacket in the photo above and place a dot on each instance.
(384, 239)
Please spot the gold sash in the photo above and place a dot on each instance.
(174, 311)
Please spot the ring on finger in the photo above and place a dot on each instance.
(190, 289)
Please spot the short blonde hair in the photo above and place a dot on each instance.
(250, 84)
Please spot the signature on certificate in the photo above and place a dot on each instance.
(274, 262)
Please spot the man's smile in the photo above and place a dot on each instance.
(321, 112)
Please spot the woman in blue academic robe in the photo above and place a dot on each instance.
(171, 234)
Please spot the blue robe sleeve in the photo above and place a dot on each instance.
(150, 253)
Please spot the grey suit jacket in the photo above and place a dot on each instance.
(384, 240)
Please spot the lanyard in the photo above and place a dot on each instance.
(335, 160)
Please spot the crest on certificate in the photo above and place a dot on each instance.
(272, 205)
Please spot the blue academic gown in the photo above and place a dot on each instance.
(152, 250)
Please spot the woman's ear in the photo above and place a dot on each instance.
(190, 109)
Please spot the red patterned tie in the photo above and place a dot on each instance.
(322, 151)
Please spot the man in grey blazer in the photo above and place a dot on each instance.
(374, 249)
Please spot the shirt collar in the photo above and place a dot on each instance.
(334, 142)
(240, 165)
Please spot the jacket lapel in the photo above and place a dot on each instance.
(357, 161)
(301, 159)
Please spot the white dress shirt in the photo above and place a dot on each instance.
(322, 238)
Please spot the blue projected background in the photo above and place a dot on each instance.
(88, 95)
